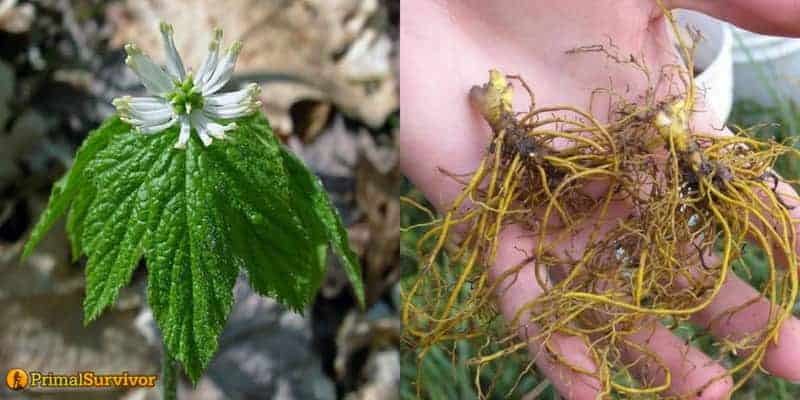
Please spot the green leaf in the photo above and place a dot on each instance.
(113, 228)
(198, 217)
(273, 242)
(311, 200)
(65, 190)
(77, 213)
(191, 268)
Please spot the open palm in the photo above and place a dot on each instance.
(446, 47)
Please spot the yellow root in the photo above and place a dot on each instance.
(690, 192)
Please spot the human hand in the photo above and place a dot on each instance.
(446, 47)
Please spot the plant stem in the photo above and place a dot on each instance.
(169, 378)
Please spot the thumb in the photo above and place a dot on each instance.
(770, 17)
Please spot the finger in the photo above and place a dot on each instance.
(751, 316)
(753, 310)
(691, 371)
(514, 293)
(707, 121)
(771, 17)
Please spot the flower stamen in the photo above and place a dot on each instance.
(179, 97)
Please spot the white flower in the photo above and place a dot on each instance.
(180, 97)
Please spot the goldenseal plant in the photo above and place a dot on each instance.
(197, 208)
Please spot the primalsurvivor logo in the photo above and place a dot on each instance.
(18, 379)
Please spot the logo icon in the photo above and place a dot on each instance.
(17, 379)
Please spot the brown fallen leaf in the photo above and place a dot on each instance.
(377, 197)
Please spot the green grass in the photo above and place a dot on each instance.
(444, 373)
